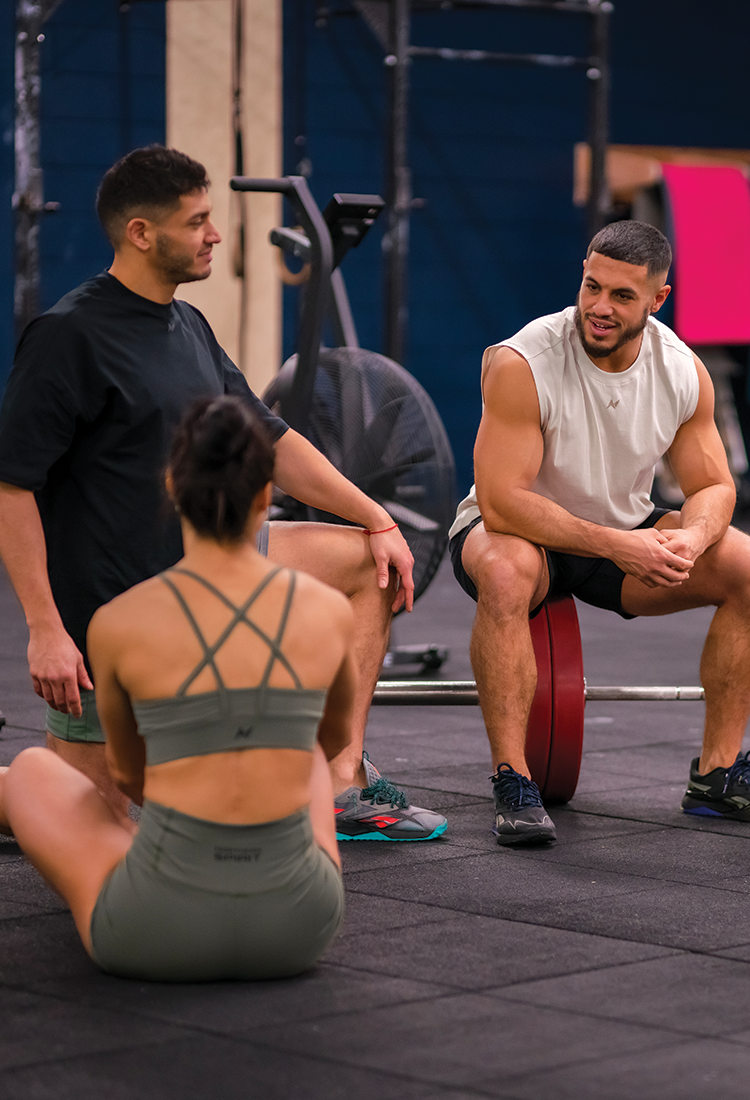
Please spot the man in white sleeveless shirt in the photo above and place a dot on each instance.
(578, 408)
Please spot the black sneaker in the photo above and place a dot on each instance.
(520, 816)
(724, 792)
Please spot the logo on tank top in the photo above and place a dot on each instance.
(243, 733)
(612, 403)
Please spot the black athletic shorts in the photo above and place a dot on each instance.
(597, 581)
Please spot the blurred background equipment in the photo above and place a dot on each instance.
(28, 194)
(363, 411)
(700, 198)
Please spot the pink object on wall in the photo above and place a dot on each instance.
(711, 217)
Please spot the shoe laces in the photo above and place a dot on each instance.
(383, 791)
(514, 788)
(739, 773)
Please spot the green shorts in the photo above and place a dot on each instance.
(85, 728)
(195, 900)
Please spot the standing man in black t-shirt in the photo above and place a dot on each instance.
(99, 383)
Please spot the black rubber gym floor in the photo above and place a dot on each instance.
(612, 966)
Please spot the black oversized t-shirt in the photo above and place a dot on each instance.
(99, 384)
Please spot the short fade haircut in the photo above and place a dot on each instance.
(635, 243)
(149, 183)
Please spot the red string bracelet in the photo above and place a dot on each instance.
(393, 525)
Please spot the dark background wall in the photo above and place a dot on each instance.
(498, 241)
(7, 100)
(103, 89)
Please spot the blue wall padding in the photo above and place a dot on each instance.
(103, 93)
(499, 241)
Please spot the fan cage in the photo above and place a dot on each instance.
(379, 427)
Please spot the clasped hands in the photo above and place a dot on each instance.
(659, 557)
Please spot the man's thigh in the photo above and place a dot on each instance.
(336, 555)
(506, 567)
(721, 572)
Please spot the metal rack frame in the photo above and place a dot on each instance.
(390, 22)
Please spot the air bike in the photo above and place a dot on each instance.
(364, 412)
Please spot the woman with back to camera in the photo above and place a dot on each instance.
(223, 685)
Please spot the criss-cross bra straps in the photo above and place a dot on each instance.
(239, 616)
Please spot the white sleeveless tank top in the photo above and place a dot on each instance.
(603, 433)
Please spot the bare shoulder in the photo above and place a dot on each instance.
(702, 371)
(705, 407)
(499, 358)
(131, 610)
(508, 384)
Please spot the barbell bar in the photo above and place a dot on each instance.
(463, 693)
(554, 737)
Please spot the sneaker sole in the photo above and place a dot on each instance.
(700, 809)
(380, 835)
(512, 840)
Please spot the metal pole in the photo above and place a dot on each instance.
(28, 201)
(598, 75)
(126, 121)
(398, 188)
(296, 406)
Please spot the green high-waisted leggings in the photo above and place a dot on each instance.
(196, 900)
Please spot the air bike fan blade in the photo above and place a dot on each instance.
(379, 427)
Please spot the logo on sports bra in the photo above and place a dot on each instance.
(243, 733)
(612, 403)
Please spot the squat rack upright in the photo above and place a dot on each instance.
(390, 22)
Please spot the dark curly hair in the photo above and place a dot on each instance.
(148, 182)
(221, 458)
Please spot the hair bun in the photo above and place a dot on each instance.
(221, 459)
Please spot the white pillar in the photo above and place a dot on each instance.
(245, 315)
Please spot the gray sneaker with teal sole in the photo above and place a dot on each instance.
(382, 812)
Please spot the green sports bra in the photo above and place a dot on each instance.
(230, 718)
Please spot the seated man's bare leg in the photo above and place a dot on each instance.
(88, 757)
(720, 578)
(340, 556)
(511, 577)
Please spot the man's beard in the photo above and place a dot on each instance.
(177, 266)
(596, 352)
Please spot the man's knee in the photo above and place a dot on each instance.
(337, 555)
(509, 572)
(727, 563)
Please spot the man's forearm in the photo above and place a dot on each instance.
(662, 558)
(539, 520)
(304, 473)
(708, 514)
